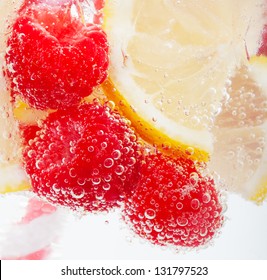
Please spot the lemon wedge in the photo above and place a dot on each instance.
(240, 150)
(170, 62)
(13, 179)
(12, 176)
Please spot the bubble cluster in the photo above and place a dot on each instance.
(246, 104)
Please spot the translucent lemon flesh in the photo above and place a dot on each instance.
(171, 61)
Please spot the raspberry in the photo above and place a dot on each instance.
(263, 46)
(53, 60)
(28, 132)
(85, 158)
(173, 204)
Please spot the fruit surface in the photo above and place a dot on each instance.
(168, 73)
(173, 204)
(53, 58)
(84, 158)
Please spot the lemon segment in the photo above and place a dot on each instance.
(27, 115)
(261, 191)
(258, 70)
(13, 179)
(170, 141)
(170, 62)
(240, 149)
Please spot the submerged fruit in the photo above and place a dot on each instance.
(174, 204)
(169, 64)
(240, 132)
(53, 58)
(84, 158)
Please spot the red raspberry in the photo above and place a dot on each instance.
(263, 47)
(173, 204)
(84, 158)
(28, 132)
(53, 60)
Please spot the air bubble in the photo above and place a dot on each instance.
(195, 204)
(242, 115)
(100, 196)
(186, 112)
(150, 213)
(259, 150)
(179, 205)
(52, 146)
(110, 104)
(72, 150)
(90, 149)
(77, 192)
(195, 121)
(108, 163)
(182, 221)
(150, 223)
(206, 197)
(31, 153)
(190, 151)
(119, 170)
(72, 173)
(40, 164)
(230, 155)
(81, 181)
(158, 228)
(100, 132)
(132, 161)
(147, 229)
(104, 145)
(106, 187)
(116, 154)
(133, 138)
(96, 181)
(193, 179)
(95, 171)
(108, 178)
(56, 188)
(33, 77)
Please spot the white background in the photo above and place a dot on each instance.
(106, 237)
(244, 236)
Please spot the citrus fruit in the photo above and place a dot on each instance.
(13, 178)
(9, 136)
(240, 149)
(168, 73)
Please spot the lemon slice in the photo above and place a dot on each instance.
(12, 176)
(240, 158)
(26, 115)
(13, 179)
(258, 70)
(240, 150)
(170, 61)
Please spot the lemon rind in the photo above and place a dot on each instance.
(259, 180)
(149, 132)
